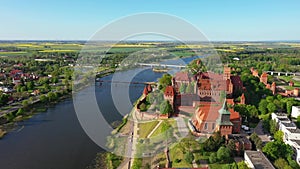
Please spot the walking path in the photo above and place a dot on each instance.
(158, 124)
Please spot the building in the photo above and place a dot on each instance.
(243, 99)
(170, 95)
(264, 78)
(241, 142)
(291, 134)
(179, 79)
(295, 111)
(291, 83)
(257, 160)
(210, 117)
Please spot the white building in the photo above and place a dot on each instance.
(291, 134)
(295, 111)
(257, 160)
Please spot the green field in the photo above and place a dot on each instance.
(146, 128)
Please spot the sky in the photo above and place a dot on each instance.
(218, 20)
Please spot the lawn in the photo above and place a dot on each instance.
(146, 128)
(158, 131)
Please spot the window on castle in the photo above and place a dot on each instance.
(205, 126)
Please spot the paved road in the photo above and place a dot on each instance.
(260, 132)
(182, 128)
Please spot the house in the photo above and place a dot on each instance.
(16, 80)
(295, 111)
(257, 160)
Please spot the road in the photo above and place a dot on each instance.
(260, 132)
(131, 143)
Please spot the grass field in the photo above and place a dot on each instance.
(157, 132)
(146, 128)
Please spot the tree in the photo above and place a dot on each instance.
(298, 121)
(20, 112)
(189, 157)
(43, 98)
(164, 81)
(276, 149)
(223, 154)
(278, 135)
(242, 165)
(165, 107)
(262, 107)
(231, 146)
(252, 111)
(3, 98)
(52, 96)
(273, 126)
(271, 107)
(190, 88)
(182, 88)
(30, 85)
(213, 158)
(143, 107)
(280, 163)
(25, 103)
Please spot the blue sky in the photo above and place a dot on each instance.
(217, 19)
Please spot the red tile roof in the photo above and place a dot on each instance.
(230, 101)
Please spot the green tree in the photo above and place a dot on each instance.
(52, 96)
(231, 146)
(25, 103)
(278, 135)
(242, 165)
(164, 81)
(190, 88)
(165, 107)
(281, 163)
(143, 107)
(213, 158)
(182, 88)
(262, 107)
(30, 85)
(20, 112)
(273, 126)
(276, 149)
(43, 98)
(189, 157)
(223, 154)
(271, 107)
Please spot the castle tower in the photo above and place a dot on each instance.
(273, 88)
(296, 92)
(243, 99)
(223, 122)
(264, 78)
(227, 72)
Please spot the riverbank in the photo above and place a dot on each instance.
(28, 111)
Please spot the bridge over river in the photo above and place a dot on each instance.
(160, 65)
(283, 73)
